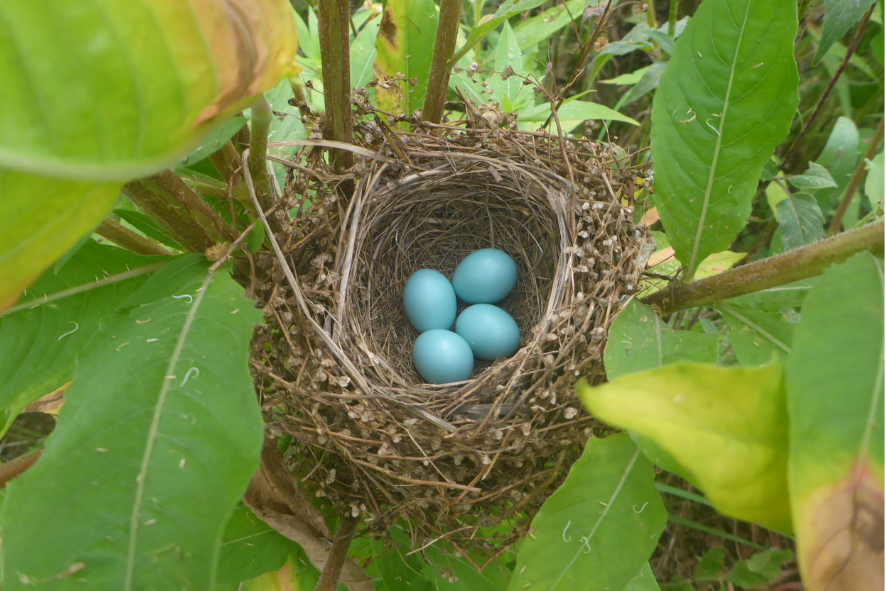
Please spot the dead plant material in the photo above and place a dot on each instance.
(334, 366)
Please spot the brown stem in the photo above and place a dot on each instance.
(824, 97)
(332, 571)
(126, 238)
(196, 209)
(333, 19)
(169, 213)
(17, 467)
(206, 185)
(226, 161)
(444, 46)
(855, 181)
(787, 267)
(262, 116)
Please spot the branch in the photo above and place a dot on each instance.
(126, 238)
(787, 267)
(444, 46)
(339, 553)
(265, 189)
(333, 19)
(172, 216)
(855, 181)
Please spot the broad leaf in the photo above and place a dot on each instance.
(508, 54)
(250, 547)
(539, 28)
(398, 568)
(491, 22)
(571, 114)
(839, 16)
(405, 46)
(725, 426)
(640, 340)
(214, 141)
(158, 437)
(599, 528)
(873, 185)
(835, 401)
(760, 569)
(724, 102)
(649, 82)
(363, 53)
(147, 226)
(643, 581)
(756, 335)
(800, 222)
(40, 219)
(815, 177)
(448, 572)
(710, 565)
(41, 340)
(160, 75)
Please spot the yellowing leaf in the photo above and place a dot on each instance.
(726, 427)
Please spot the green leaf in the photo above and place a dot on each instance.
(214, 141)
(599, 528)
(628, 79)
(815, 177)
(725, 426)
(168, 281)
(757, 335)
(800, 222)
(508, 54)
(710, 565)
(363, 53)
(147, 226)
(839, 16)
(640, 340)
(760, 569)
(250, 548)
(159, 77)
(835, 401)
(643, 581)
(571, 114)
(541, 27)
(873, 185)
(39, 343)
(399, 569)
(157, 439)
(649, 82)
(405, 45)
(40, 219)
(453, 573)
(490, 22)
(724, 102)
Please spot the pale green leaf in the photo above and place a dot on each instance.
(214, 141)
(250, 547)
(112, 90)
(839, 17)
(724, 102)
(147, 226)
(800, 222)
(541, 27)
(599, 528)
(507, 92)
(643, 581)
(835, 401)
(873, 185)
(398, 569)
(640, 340)
(649, 82)
(405, 45)
(363, 53)
(168, 281)
(757, 335)
(41, 218)
(760, 569)
(571, 114)
(158, 437)
(710, 565)
(39, 343)
(727, 428)
(815, 177)
(628, 79)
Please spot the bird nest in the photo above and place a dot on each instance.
(445, 461)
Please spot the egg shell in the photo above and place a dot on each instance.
(429, 300)
(489, 330)
(442, 357)
(485, 277)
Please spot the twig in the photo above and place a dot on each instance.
(855, 181)
(126, 238)
(258, 164)
(788, 267)
(336, 560)
(444, 46)
(824, 97)
(333, 19)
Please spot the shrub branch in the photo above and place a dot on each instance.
(444, 46)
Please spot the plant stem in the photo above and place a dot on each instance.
(265, 189)
(855, 181)
(672, 18)
(126, 238)
(169, 213)
(333, 19)
(226, 161)
(444, 46)
(650, 14)
(18, 466)
(194, 207)
(332, 570)
(787, 267)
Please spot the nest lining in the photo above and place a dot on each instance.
(449, 459)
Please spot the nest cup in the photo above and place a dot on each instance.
(447, 461)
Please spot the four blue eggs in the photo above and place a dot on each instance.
(482, 330)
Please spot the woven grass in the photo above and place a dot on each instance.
(447, 461)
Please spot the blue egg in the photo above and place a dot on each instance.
(429, 300)
(441, 357)
(489, 330)
(485, 277)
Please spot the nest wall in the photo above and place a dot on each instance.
(337, 376)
